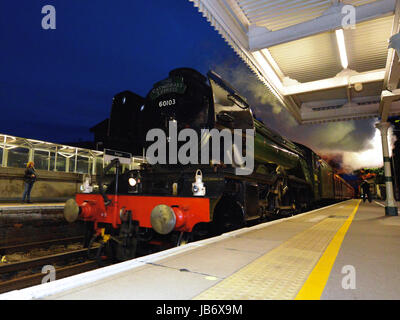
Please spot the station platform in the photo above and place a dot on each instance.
(348, 250)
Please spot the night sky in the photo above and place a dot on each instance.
(56, 84)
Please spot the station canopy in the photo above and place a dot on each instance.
(17, 151)
(319, 63)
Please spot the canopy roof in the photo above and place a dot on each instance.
(309, 55)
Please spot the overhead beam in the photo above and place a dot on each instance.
(261, 37)
(344, 113)
(352, 111)
(335, 82)
(317, 105)
(387, 103)
(392, 74)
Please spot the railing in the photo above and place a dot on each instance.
(17, 152)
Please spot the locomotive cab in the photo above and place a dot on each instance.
(231, 110)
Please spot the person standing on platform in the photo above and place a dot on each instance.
(366, 192)
(29, 180)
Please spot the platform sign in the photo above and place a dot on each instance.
(124, 157)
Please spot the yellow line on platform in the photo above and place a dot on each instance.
(315, 283)
(281, 272)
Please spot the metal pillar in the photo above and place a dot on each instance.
(76, 160)
(55, 159)
(390, 205)
(4, 160)
(94, 165)
(31, 155)
(48, 161)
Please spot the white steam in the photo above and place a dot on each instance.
(357, 142)
(371, 157)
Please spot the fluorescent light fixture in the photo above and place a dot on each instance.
(268, 71)
(342, 48)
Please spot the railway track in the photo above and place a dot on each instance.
(15, 274)
(35, 279)
(30, 240)
(5, 250)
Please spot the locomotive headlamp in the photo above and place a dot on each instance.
(132, 182)
(198, 187)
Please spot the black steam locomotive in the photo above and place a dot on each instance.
(171, 201)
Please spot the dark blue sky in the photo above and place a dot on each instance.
(56, 84)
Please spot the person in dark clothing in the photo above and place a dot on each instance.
(29, 180)
(365, 191)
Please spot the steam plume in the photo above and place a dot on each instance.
(353, 144)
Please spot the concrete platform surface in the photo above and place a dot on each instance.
(345, 251)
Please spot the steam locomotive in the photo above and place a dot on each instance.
(173, 203)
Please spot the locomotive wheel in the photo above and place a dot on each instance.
(99, 255)
(89, 254)
(104, 252)
(125, 246)
(89, 231)
(228, 216)
(126, 250)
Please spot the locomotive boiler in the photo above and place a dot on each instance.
(170, 203)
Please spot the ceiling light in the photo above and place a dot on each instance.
(342, 48)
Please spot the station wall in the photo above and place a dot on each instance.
(50, 185)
